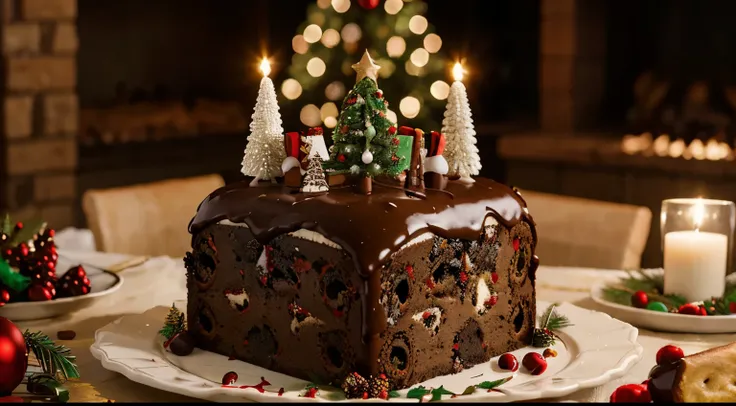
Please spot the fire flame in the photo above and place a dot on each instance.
(663, 146)
(265, 67)
(458, 71)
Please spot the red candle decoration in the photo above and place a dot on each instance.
(292, 142)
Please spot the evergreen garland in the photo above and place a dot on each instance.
(56, 360)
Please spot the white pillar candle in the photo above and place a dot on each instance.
(695, 264)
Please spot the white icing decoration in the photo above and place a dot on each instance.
(318, 147)
(236, 299)
(290, 163)
(296, 325)
(262, 260)
(434, 311)
(482, 296)
(436, 164)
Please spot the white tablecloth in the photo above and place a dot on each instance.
(161, 281)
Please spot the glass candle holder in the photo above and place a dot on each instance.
(697, 240)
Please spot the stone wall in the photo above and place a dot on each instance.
(40, 111)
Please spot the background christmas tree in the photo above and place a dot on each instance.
(365, 140)
(399, 38)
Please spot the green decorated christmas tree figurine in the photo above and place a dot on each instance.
(365, 140)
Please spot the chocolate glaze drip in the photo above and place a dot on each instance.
(662, 380)
(369, 228)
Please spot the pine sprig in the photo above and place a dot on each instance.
(553, 320)
(13, 280)
(55, 359)
(175, 323)
(638, 280)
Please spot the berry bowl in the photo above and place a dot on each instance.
(102, 283)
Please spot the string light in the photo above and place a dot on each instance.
(330, 122)
(393, 6)
(328, 109)
(418, 24)
(330, 38)
(351, 33)
(341, 6)
(335, 91)
(395, 47)
(410, 106)
(312, 33)
(299, 44)
(291, 89)
(309, 115)
(316, 67)
(440, 90)
(420, 57)
(432, 43)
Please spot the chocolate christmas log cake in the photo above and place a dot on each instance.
(320, 286)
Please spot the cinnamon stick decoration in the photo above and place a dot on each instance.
(416, 168)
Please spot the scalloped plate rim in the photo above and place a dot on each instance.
(627, 357)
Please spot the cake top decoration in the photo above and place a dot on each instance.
(366, 68)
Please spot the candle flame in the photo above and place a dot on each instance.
(265, 67)
(698, 213)
(458, 71)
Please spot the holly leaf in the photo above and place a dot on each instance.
(13, 280)
(468, 391)
(7, 227)
(310, 386)
(393, 394)
(418, 393)
(438, 392)
(493, 384)
(26, 233)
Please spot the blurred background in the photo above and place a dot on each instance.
(628, 101)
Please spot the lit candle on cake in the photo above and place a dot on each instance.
(696, 260)
(265, 152)
(460, 152)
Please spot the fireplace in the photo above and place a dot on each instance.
(636, 105)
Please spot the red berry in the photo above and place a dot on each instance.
(631, 393)
(74, 282)
(491, 301)
(516, 244)
(365, 395)
(229, 378)
(383, 395)
(639, 299)
(392, 130)
(426, 315)
(534, 363)
(494, 277)
(508, 362)
(52, 233)
(732, 307)
(39, 293)
(410, 271)
(4, 296)
(690, 309)
(669, 354)
(18, 225)
(311, 392)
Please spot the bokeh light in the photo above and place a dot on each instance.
(393, 6)
(299, 44)
(323, 4)
(391, 116)
(341, 6)
(309, 115)
(312, 33)
(440, 90)
(316, 67)
(330, 38)
(335, 91)
(395, 47)
(409, 107)
(418, 24)
(328, 109)
(412, 69)
(291, 89)
(432, 43)
(420, 57)
(330, 122)
(351, 32)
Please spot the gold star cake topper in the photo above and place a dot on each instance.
(366, 68)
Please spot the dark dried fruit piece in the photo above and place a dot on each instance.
(66, 334)
(181, 344)
(229, 378)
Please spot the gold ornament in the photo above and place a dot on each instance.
(366, 68)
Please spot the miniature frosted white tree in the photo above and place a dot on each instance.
(265, 152)
(460, 152)
(314, 181)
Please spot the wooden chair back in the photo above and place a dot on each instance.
(588, 233)
(147, 219)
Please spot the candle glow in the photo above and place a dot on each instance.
(265, 67)
(698, 213)
(458, 71)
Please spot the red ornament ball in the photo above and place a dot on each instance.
(341, 158)
(631, 393)
(534, 363)
(4, 296)
(508, 362)
(13, 357)
(640, 299)
(689, 309)
(732, 307)
(369, 4)
(669, 354)
(379, 94)
(392, 131)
